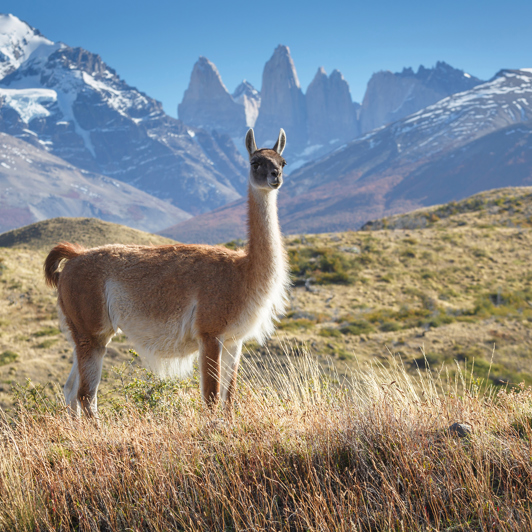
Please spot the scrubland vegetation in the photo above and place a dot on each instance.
(393, 334)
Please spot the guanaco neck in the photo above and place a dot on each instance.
(265, 252)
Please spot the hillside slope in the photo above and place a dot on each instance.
(35, 185)
(509, 207)
(457, 288)
(89, 232)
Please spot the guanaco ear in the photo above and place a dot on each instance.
(281, 142)
(251, 146)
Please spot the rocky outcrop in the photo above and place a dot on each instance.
(282, 102)
(249, 97)
(392, 96)
(207, 103)
(331, 115)
(315, 124)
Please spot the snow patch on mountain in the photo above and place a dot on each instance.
(69, 102)
(464, 116)
(29, 103)
(19, 42)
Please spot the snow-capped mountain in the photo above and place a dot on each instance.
(19, 42)
(69, 102)
(35, 185)
(461, 118)
(464, 144)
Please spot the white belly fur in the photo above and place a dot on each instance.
(170, 347)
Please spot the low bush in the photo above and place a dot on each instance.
(357, 327)
(323, 265)
(329, 332)
(7, 357)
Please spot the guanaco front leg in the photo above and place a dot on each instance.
(210, 369)
(230, 362)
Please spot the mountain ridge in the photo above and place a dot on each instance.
(69, 102)
(437, 154)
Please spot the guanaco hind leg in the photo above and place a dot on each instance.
(71, 388)
(90, 362)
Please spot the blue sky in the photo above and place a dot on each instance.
(154, 45)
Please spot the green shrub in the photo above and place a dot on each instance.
(427, 274)
(49, 342)
(389, 326)
(323, 265)
(504, 303)
(438, 319)
(357, 327)
(329, 332)
(408, 253)
(47, 331)
(430, 360)
(7, 357)
(295, 325)
(235, 244)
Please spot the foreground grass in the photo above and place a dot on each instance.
(302, 452)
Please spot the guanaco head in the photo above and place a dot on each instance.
(266, 171)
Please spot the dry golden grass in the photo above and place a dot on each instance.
(320, 441)
(370, 453)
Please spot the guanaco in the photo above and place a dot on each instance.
(175, 301)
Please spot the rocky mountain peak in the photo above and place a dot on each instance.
(331, 115)
(319, 81)
(247, 89)
(19, 41)
(249, 97)
(337, 76)
(208, 104)
(282, 101)
(282, 59)
(392, 96)
(83, 60)
(320, 74)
